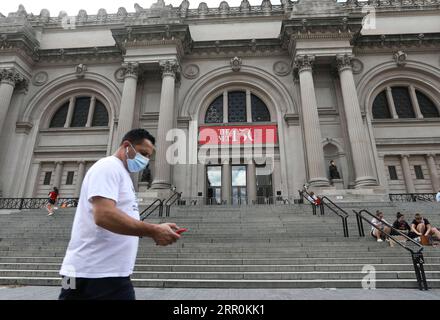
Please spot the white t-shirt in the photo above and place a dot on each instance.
(378, 224)
(94, 252)
(437, 197)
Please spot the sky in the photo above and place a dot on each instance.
(92, 7)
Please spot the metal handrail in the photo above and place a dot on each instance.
(417, 255)
(158, 203)
(344, 215)
(171, 201)
(314, 206)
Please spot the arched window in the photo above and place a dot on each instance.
(215, 111)
(239, 109)
(59, 119)
(237, 106)
(407, 101)
(427, 107)
(381, 109)
(100, 117)
(86, 112)
(81, 112)
(260, 112)
(402, 102)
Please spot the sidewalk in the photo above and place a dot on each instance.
(51, 293)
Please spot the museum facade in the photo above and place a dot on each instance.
(249, 102)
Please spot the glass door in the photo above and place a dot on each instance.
(214, 185)
(264, 186)
(239, 185)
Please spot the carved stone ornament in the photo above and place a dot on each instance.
(304, 62)
(120, 75)
(282, 68)
(344, 61)
(169, 68)
(400, 57)
(245, 6)
(40, 79)
(130, 69)
(11, 76)
(81, 70)
(236, 64)
(191, 71)
(357, 65)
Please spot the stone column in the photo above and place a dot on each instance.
(252, 182)
(311, 125)
(59, 166)
(227, 182)
(9, 78)
(91, 112)
(357, 135)
(162, 179)
(80, 178)
(70, 112)
(391, 104)
(407, 174)
(430, 158)
(126, 113)
(415, 102)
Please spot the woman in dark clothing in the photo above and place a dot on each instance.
(403, 226)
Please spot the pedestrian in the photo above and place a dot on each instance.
(53, 198)
(437, 197)
(102, 251)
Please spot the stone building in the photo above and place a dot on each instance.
(357, 82)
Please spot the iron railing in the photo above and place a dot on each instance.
(305, 195)
(412, 197)
(34, 203)
(239, 201)
(341, 213)
(417, 255)
(171, 201)
(158, 204)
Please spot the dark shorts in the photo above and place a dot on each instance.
(52, 201)
(100, 289)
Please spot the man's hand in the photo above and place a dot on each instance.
(165, 234)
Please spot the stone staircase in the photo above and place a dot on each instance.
(230, 247)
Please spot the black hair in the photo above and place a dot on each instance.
(56, 190)
(399, 215)
(136, 136)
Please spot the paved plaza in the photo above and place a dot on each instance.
(51, 293)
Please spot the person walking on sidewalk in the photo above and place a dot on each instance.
(105, 237)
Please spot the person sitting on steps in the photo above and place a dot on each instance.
(422, 227)
(382, 230)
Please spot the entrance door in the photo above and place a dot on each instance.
(214, 183)
(239, 185)
(264, 186)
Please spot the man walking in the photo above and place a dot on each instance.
(105, 236)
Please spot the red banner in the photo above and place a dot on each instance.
(238, 135)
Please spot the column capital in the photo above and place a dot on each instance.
(131, 70)
(12, 77)
(169, 68)
(59, 163)
(431, 155)
(82, 162)
(344, 62)
(403, 156)
(304, 62)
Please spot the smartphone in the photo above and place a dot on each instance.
(180, 231)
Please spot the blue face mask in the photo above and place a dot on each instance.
(138, 164)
